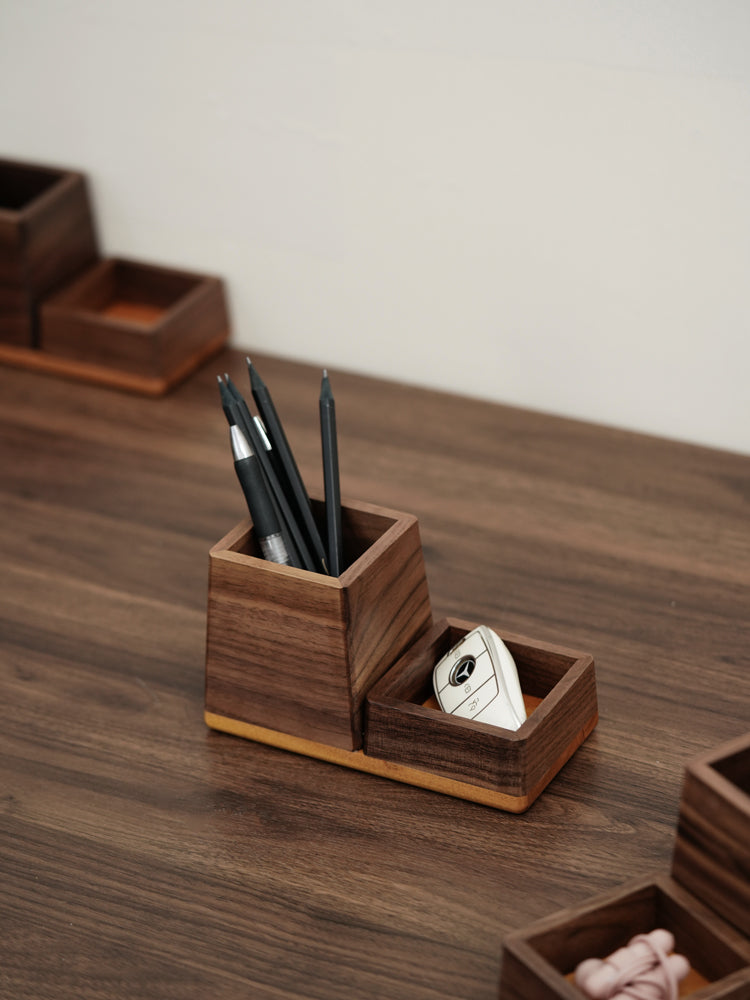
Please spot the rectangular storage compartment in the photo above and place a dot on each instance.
(139, 321)
(538, 963)
(406, 726)
(712, 850)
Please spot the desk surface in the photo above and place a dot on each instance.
(144, 856)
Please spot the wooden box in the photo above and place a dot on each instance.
(539, 961)
(17, 318)
(340, 669)
(46, 235)
(406, 726)
(134, 325)
(290, 653)
(712, 849)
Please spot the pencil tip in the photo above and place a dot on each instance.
(218, 379)
(255, 380)
(325, 373)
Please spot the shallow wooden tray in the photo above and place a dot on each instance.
(538, 961)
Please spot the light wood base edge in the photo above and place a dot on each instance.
(359, 761)
(85, 371)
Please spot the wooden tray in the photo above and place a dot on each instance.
(538, 962)
(405, 725)
(129, 325)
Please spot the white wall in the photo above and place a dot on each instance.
(545, 203)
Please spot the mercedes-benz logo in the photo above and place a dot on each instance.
(462, 671)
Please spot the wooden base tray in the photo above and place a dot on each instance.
(100, 374)
(359, 761)
(127, 325)
(407, 738)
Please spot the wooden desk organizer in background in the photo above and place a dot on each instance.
(340, 669)
(63, 310)
(712, 851)
(705, 902)
(135, 325)
(47, 235)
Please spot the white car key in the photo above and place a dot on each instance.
(478, 680)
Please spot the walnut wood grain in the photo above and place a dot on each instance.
(136, 319)
(537, 961)
(360, 761)
(143, 855)
(47, 235)
(712, 852)
(105, 375)
(402, 728)
(296, 651)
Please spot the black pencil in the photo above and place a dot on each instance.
(297, 492)
(237, 411)
(329, 444)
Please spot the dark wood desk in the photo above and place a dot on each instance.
(144, 856)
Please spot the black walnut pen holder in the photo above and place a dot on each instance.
(340, 669)
(705, 902)
(64, 310)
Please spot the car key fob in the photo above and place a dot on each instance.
(478, 680)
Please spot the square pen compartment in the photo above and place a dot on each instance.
(290, 654)
(46, 236)
(134, 324)
(472, 759)
(712, 849)
(539, 962)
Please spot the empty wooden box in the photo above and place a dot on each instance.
(46, 235)
(340, 669)
(712, 850)
(480, 761)
(134, 325)
(539, 961)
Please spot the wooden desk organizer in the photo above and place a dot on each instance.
(294, 652)
(135, 325)
(340, 669)
(119, 323)
(706, 902)
(406, 726)
(712, 850)
(538, 962)
(46, 236)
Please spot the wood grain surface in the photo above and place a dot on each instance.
(142, 855)
(402, 727)
(47, 235)
(539, 962)
(296, 651)
(98, 318)
(712, 850)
